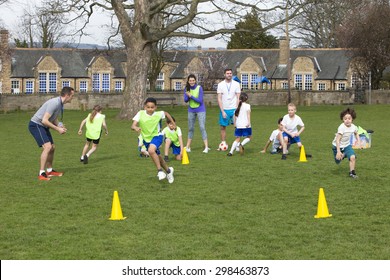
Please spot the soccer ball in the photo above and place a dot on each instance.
(223, 146)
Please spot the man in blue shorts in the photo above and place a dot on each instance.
(39, 126)
(228, 97)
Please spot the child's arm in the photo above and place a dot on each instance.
(358, 143)
(181, 144)
(135, 126)
(81, 126)
(105, 126)
(339, 155)
(249, 118)
(265, 147)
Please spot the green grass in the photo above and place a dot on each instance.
(254, 206)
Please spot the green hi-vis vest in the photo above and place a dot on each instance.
(94, 128)
(150, 125)
(194, 93)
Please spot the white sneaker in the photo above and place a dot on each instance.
(206, 150)
(161, 175)
(188, 150)
(170, 175)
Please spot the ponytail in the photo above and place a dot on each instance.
(96, 109)
(243, 98)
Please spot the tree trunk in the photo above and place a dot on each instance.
(138, 60)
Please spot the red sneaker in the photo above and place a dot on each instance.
(54, 173)
(43, 177)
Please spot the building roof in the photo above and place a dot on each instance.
(74, 62)
(331, 64)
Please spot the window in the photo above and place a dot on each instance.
(83, 86)
(52, 82)
(65, 84)
(15, 88)
(178, 86)
(42, 82)
(46, 79)
(29, 87)
(341, 86)
(244, 81)
(321, 86)
(106, 82)
(160, 81)
(96, 82)
(254, 81)
(284, 85)
(101, 82)
(308, 82)
(118, 86)
(298, 81)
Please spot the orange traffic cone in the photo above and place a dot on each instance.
(185, 159)
(322, 210)
(302, 156)
(116, 212)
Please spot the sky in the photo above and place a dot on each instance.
(10, 16)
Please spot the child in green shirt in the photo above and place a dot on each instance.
(173, 139)
(148, 123)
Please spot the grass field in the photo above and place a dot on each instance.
(254, 206)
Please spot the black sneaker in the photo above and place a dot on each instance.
(308, 155)
(81, 159)
(284, 156)
(166, 158)
(229, 154)
(352, 175)
(85, 159)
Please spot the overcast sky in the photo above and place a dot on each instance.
(11, 12)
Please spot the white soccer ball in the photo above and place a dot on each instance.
(223, 146)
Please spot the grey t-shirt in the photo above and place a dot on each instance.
(52, 106)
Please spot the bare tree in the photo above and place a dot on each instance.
(316, 26)
(366, 33)
(41, 25)
(140, 26)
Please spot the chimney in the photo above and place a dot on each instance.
(284, 50)
(4, 37)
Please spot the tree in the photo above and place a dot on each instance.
(366, 33)
(42, 26)
(140, 26)
(246, 40)
(316, 26)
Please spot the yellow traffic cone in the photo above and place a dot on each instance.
(116, 212)
(302, 156)
(185, 159)
(322, 210)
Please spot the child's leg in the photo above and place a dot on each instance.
(284, 144)
(246, 140)
(162, 163)
(352, 163)
(168, 143)
(155, 157)
(85, 149)
(94, 147)
(235, 145)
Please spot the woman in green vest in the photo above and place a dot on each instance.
(93, 123)
(193, 95)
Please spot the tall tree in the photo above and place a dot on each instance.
(140, 26)
(366, 33)
(245, 40)
(316, 26)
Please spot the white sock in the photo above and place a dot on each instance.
(245, 141)
(234, 146)
(49, 169)
(41, 171)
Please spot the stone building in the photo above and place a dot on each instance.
(27, 71)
